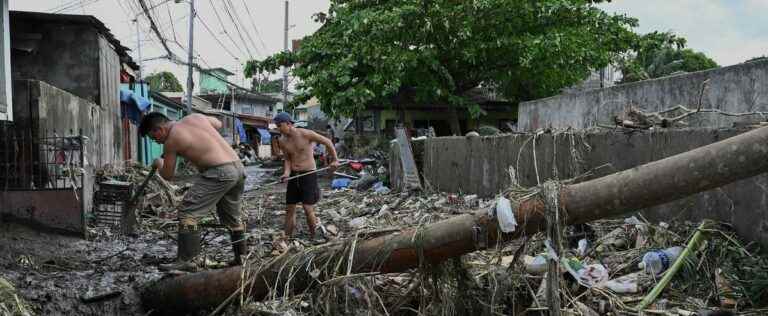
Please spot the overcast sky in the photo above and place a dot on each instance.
(262, 25)
(729, 31)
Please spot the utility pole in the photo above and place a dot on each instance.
(190, 57)
(285, 68)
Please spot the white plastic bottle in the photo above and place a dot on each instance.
(657, 261)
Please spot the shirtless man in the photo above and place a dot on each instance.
(220, 183)
(296, 144)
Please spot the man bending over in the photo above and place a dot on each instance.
(219, 184)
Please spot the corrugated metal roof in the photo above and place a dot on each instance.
(121, 50)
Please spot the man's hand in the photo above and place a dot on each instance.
(334, 165)
(158, 163)
(284, 177)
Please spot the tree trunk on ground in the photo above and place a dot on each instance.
(453, 120)
(651, 184)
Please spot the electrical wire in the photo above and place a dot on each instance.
(239, 33)
(256, 29)
(245, 29)
(223, 29)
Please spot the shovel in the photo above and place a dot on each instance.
(129, 215)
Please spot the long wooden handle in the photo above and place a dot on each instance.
(300, 175)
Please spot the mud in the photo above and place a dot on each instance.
(62, 275)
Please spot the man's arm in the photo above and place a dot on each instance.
(286, 162)
(320, 139)
(166, 165)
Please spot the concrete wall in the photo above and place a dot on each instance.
(43, 109)
(738, 88)
(65, 56)
(479, 165)
(6, 111)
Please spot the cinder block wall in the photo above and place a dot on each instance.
(480, 165)
(738, 88)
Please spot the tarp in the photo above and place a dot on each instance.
(266, 138)
(241, 131)
(136, 105)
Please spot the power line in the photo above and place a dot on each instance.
(170, 18)
(217, 39)
(240, 34)
(258, 34)
(174, 58)
(245, 29)
(223, 29)
(74, 5)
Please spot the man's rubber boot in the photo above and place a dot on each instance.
(239, 246)
(189, 249)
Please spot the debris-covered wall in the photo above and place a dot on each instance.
(738, 89)
(480, 165)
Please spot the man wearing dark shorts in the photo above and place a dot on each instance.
(297, 146)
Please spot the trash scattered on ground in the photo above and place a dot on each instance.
(609, 266)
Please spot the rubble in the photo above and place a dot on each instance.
(439, 245)
(599, 260)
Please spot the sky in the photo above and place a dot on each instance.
(262, 28)
(729, 31)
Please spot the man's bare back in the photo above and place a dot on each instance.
(195, 138)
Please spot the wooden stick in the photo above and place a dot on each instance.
(297, 176)
(689, 249)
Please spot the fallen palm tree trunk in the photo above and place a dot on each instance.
(655, 183)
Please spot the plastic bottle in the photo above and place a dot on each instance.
(535, 265)
(657, 261)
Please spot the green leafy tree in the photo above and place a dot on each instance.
(660, 54)
(163, 81)
(266, 86)
(391, 52)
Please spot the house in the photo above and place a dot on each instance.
(55, 54)
(65, 74)
(198, 103)
(211, 83)
(134, 100)
(224, 95)
(382, 120)
(279, 105)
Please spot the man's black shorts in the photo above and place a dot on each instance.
(302, 189)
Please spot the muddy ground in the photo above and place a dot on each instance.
(62, 275)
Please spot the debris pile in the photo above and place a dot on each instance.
(610, 267)
(159, 201)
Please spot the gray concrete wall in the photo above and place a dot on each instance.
(738, 88)
(5, 64)
(479, 165)
(65, 56)
(43, 109)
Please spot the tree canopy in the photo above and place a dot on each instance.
(266, 85)
(163, 81)
(428, 51)
(659, 54)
